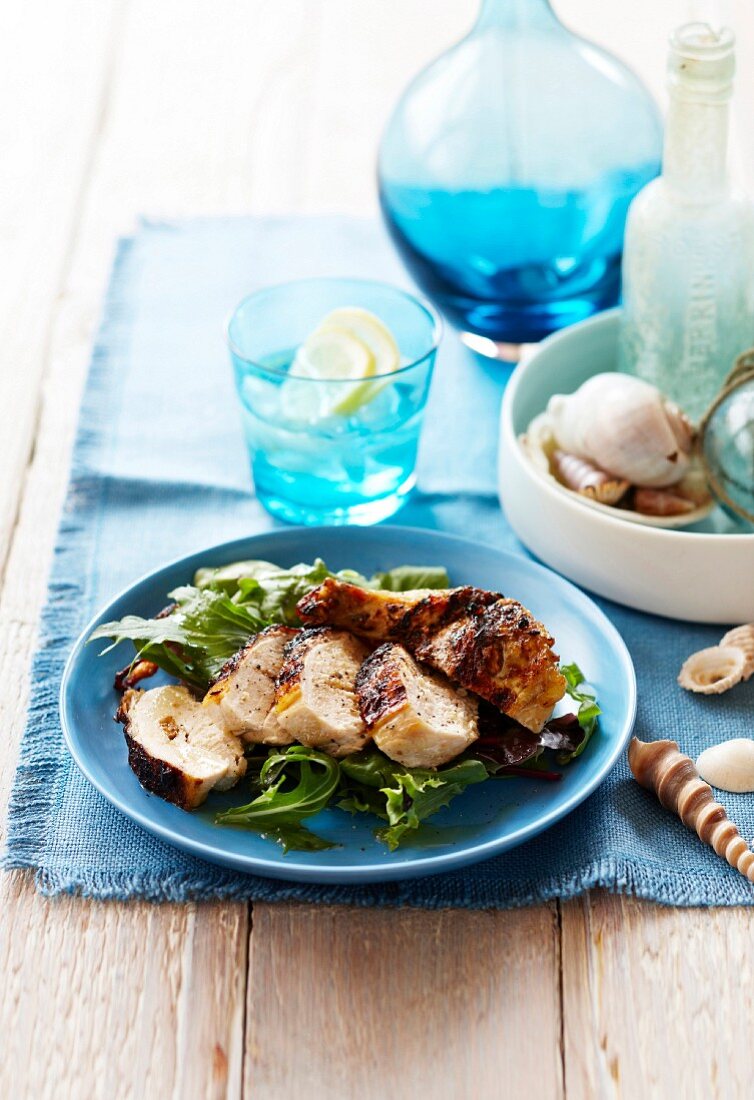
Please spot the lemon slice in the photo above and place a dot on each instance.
(333, 353)
(349, 344)
(371, 331)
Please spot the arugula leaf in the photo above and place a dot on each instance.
(404, 578)
(588, 711)
(279, 811)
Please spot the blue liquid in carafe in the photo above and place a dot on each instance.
(515, 263)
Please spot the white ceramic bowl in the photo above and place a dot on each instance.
(702, 574)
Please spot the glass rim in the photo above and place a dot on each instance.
(425, 306)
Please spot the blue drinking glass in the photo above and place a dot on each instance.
(507, 169)
(330, 450)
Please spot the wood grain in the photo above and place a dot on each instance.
(657, 1002)
(357, 1002)
(53, 70)
(129, 1001)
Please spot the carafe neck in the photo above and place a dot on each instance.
(515, 14)
(700, 70)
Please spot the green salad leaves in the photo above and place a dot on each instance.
(209, 621)
(588, 711)
(298, 782)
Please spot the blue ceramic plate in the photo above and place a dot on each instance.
(484, 820)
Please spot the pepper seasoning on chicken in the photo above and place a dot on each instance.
(480, 640)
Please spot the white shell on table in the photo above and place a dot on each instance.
(729, 766)
(713, 671)
(742, 637)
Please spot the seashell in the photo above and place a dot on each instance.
(626, 427)
(742, 637)
(729, 766)
(584, 477)
(662, 768)
(662, 502)
(713, 671)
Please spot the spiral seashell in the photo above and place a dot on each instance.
(742, 637)
(713, 671)
(584, 477)
(661, 767)
(626, 427)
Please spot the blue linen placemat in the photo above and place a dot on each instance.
(160, 469)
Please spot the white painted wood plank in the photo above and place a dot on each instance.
(54, 61)
(453, 1005)
(657, 1002)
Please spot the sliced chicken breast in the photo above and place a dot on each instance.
(500, 652)
(415, 717)
(243, 695)
(175, 748)
(315, 698)
(370, 614)
(485, 643)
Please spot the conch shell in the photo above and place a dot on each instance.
(661, 767)
(662, 502)
(716, 669)
(584, 477)
(626, 427)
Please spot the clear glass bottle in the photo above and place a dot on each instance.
(506, 171)
(688, 290)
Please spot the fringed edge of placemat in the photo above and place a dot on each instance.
(41, 753)
(617, 876)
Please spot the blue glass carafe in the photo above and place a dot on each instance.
(506, 171)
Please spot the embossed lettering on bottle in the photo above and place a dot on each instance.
(687, 268)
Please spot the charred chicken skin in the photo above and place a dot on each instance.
(480, 640)
(415, 716)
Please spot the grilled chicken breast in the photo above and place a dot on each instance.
(315, 697)
(175, 748)
(370, 614)
(415, 717)
(243, 695)
(480, 640)
(500, 652)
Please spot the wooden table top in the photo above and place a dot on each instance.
(112, 108)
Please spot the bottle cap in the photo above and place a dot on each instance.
(702, 60)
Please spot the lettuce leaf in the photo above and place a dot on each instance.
(215, 616)
(194, 641)
(418, 793)
(404, 797)
(405, 578)
(588, 712)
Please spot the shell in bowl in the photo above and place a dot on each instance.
(700, 573)
(593, 487)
